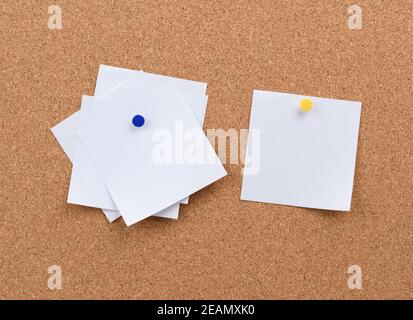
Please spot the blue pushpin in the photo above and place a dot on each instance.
(138, 121)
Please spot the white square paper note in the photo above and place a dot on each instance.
(137, 183)
(306, 159)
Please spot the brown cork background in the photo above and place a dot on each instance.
(220, 247)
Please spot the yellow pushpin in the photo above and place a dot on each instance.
(306, 105)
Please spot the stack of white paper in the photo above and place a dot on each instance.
(134, 170)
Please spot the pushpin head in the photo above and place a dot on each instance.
(138, 120)
(306, 105)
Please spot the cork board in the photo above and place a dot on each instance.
(220, 247)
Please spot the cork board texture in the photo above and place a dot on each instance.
(220, 247)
